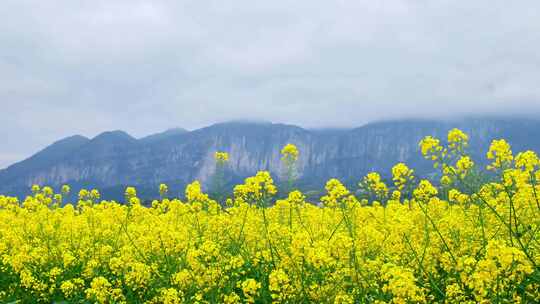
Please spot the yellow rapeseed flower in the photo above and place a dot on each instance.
(290, 152)
(221, 157)
(501, 154)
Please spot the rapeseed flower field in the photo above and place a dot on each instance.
(472, 235)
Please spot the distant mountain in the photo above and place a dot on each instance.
(162, 135)
(113, 160)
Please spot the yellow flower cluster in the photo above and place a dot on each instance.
(374, 184)
(336, 194)
(257, 189)
(250, 288)
(84, 195)
(280, 286)
(457, 140)
(130, 193)
(401, 283)
(163, 190)
(501, 154)
(290, 152)
(527, 161)
(425, 191)
(464, 165)
(476, 244)
(431, 148)
(221, 157)
(198, 200)
(401, 174)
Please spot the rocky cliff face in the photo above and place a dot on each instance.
(113, 160)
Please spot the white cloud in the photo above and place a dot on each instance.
(87, 66)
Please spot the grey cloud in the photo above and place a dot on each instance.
(84, 67)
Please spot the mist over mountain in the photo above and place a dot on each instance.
(113, 160)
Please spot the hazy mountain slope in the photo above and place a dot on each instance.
(113, 160)
(18, 174)
(162, 135)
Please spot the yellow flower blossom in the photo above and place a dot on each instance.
(527, 161)
(290, 152)
(163, 190)
(279, 285)
(250, 288)
(500, 153)
(375, 184)
(431, 148)
(100, 290)
(401, 174)
(464, 165)
(457, 140)
(221, 157)
(130, 193)
(425, 191)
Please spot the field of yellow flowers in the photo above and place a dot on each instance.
(466, 237)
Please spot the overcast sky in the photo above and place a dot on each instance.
(83, 67)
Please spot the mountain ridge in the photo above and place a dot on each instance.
(115, 159)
